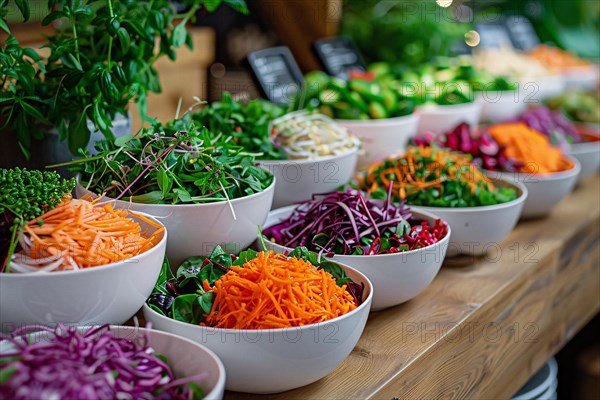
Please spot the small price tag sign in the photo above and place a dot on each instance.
(493, 36)
(339, 55)
(521, 32)
(277, 73)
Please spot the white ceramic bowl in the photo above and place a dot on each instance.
(588, 155)
(542, 383)
(299, 179)
(107, 294)
(479, 230)
(196, 229)
(544, 190)
(441, 119)
(535, 90)
(381, 137)
(581, 78)
(396, 277)
(184, 357)
(276, 360)
(498, 106)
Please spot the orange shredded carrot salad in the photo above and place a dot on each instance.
(410, 174)
(530, 148)
(272, 291)
(84, 234)
(556, 59)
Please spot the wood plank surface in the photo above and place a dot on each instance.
(485, 325)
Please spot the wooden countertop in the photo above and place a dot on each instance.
(485, 325)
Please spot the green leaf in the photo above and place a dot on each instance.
(183, 195)
(124, 39)
(53, 16)
(179, 35)
(6, 373)
(154, 197)
(98, 119)
(206, 301)
(78, 134)
(182, 307)
(23, 6)
(238, 5)
(4, 26)
(31, 53)
(123, 140)
(32, 111)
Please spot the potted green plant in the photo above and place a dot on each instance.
(101, 59)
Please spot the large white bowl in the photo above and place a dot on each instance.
(107, 294)
(196, 229)
(479, 230)
(536, 90)
(581, 78)
(498, 106)
(382, 137)
(185, 357)
(588, 155)
(544, 190)
(276, 360)
(396, 277)
(299, 179)
(441, 119)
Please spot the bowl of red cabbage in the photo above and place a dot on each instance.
(267, 316)
(205, 189)
(106, 362)
(398, 249)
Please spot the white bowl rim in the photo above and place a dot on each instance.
(111, 265)
(222, 373)
(582, 148)
(301, 161)
(379, 121)
(567, 173)
(135, 329)
(448, 108)
(205, 205)
(358, 309)
(425, 213)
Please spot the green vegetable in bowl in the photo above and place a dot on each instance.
(181, 162)
(432, 177)
(361, 97)
(25, 195)
(248, 124)
(578, 106)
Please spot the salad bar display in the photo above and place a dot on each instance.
(268, 245)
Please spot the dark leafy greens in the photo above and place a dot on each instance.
(181, 162)
(186, 295)
(248, 124)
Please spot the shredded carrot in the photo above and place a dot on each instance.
(530, 148)
(410, 174)
(556, 59)
(84, 234)
(283, 293)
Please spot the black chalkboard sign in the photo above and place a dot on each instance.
(339, 55)
(277, 73)
(521, 31)
(493, 36)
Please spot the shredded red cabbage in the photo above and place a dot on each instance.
(486, 152)
(64, 363)
(349, 223)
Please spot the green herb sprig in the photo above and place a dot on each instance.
(181, 162)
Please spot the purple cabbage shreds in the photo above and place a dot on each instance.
(553, 124)
(64, 363)
(349, 223)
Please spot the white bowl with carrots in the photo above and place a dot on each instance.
(109, 293)
(195, 229)
(265, 359)
(396, 277)
(547, 173)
